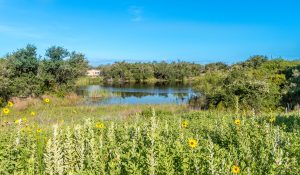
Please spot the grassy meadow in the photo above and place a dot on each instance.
(54, 136)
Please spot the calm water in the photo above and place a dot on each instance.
(139, 94)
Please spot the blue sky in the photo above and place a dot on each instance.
(145, 30)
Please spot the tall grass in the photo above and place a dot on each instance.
(151, 141)
(84, 81)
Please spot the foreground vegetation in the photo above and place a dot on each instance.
(55, 138)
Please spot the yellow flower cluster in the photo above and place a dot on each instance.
(22, 120)
(6, 110)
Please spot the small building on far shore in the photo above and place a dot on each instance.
(93, 73)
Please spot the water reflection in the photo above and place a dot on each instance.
(157, 93)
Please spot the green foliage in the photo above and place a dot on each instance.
(254, 62)
(143, 72)
(59, 71)
(216, 67)
(292, 97)
(56, 54)
(257, 83)
(20, 72)
(5, 90)
(25, 74)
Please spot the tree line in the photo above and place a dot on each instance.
(257, 83)
(24, 73)
(144, 72)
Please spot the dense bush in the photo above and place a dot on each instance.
(5, 91)
(257, 83)
(24, 74)
(292, 98)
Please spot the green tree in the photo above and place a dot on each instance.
(5, 89)
(255, 61)
(22, 69)
(60, 69)
(218, 66)
(24, 74)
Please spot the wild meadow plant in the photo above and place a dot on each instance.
(193, 143)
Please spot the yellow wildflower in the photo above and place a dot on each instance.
(32, 113)
(235, 169)
(46, 100)
(184, 124)
(237, 121)
(24, 119)
(18, 121)
(5, 110)
(39, 130)
(100, 125)
(10, 104)
(192, 143)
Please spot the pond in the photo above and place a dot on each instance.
(158, 93)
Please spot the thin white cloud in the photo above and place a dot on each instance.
(136, 13)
